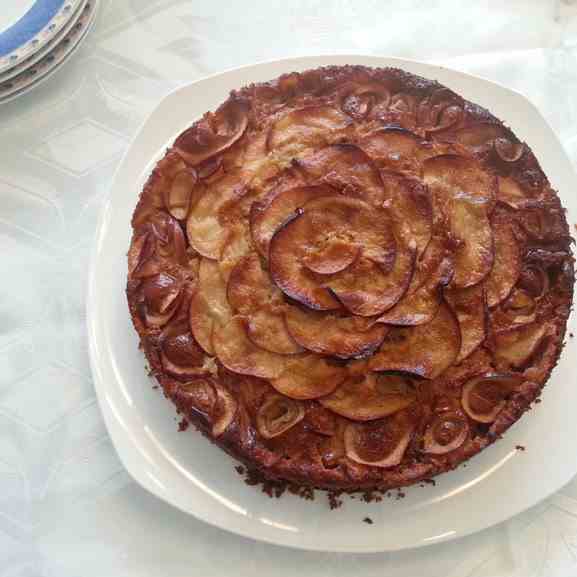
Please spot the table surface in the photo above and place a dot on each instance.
(67, 506)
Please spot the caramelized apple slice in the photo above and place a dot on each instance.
(308, 377)
(464, 193)
(380, 443)
(178, 196)
(252, 294)
(180, 354)
(209, 305)
(235, 248)
(268, 331)
(358, 100)
(277, 415)
(165, 239)
(214, 134)
(337, 220)
(450, 176)
(161, 298)
(416, 349)
(372, 396)
(511, 193)
(515, 347)
(508, 150)
(140, 252)
(304, 127)
(287, 250)
(472, 232)
(421, 305)
(484, 396)
(410, 206)
(394, 148)
(470, 308)
(278, 207)
(366, 290)
(346, 166)
(479, 138)
(445, 433)
(331, 334)
(240, 355)
(506, 265)
(224, 410)
(206, 233)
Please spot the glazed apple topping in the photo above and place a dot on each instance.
(515, 347)
(345, 167)
(358, 100)
(506, 265)
(371, 396)
(239, 354)
(277, 415)
(308, 377)
(445, 433)
(464, 193)
(507, 150)
(365, 263)
(251, 293)
(484, 396)
(415, 349)
(217, 132)
(380, 443)
(162, 294)
(305, 127)
(278, 207)
(333, 334)
(209, 304)
(224, 410)
(178, 197)
(181, 355)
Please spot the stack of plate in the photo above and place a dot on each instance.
(37, 37)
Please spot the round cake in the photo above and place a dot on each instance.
(350, 278)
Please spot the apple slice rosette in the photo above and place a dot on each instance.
(278, 207)
(326, 239)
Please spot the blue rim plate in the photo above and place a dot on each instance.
(30, 26)
(53, 60)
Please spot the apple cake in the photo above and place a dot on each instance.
(350, 278)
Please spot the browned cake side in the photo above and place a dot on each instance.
(350, 278)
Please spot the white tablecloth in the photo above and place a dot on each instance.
(67, 507)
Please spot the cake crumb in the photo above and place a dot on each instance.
(239, 469)
(368, 521)
(571, 335)
(520, 448)
(182, 425)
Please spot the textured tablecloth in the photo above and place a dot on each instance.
(67, 507)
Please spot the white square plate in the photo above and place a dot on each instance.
(187, 471)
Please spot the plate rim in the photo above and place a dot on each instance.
(299, 63)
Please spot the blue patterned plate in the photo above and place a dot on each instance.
(26, 26)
